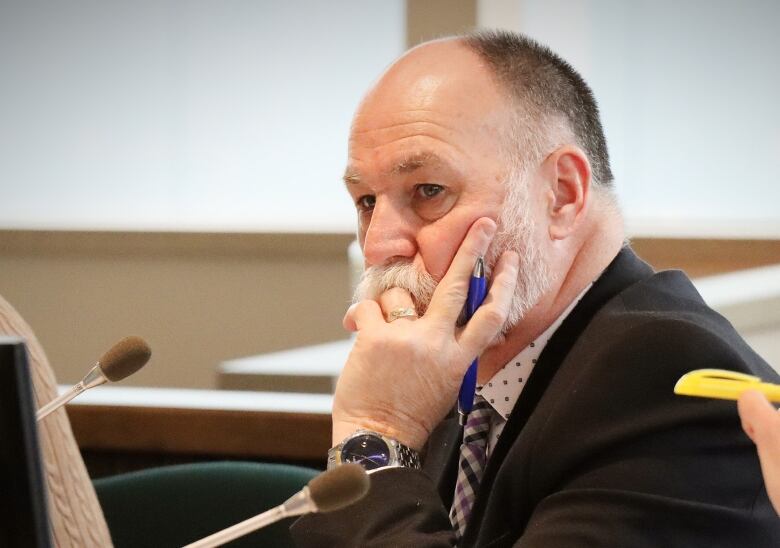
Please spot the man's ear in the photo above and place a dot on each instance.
(569, 193)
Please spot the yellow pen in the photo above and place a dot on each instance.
(722, 384)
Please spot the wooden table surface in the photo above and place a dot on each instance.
(203, 423)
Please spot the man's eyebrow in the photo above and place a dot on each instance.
(351, 178)
(415, 161)
(407, 165)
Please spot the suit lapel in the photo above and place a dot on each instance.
(624, 270)
(441, 460)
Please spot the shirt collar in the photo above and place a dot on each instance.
(503, 389)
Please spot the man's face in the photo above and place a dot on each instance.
(424, 164)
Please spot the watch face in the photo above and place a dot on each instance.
(366, 450)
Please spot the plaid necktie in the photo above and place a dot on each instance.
(471, 465)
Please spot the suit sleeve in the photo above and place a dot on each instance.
(402, 508)
(622, 461)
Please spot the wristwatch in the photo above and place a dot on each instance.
(372, 450)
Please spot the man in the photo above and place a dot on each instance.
(490, 145)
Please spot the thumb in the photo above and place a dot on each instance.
(762, 423)
(760, 420)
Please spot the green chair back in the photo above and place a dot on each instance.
(173, 506)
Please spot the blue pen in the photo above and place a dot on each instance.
(477, 293)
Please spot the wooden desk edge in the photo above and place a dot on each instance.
(255, 434)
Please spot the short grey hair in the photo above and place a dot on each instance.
(553, 100)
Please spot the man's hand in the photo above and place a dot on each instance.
(761, 423)
(402, 378)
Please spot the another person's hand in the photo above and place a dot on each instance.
(402, 377)
(761, 423)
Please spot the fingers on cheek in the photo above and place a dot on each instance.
(448, 297)
(508, 265)
(504, 282)
(474, 245)
(482, 329)
(494, 312)
(481, 234)
(492, 318)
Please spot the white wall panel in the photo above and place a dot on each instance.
(174, 114)
(688, 93)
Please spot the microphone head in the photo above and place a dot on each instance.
(339, 487)
(124, 358)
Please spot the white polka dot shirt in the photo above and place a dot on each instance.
(503, 389)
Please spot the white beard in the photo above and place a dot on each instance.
(517, 232)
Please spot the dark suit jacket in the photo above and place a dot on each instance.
(598, 450)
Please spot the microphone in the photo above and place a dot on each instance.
(331, 490)
(122, 360)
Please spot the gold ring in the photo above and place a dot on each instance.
(401, 312)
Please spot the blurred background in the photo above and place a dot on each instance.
(172, 168)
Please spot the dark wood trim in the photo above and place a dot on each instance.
(205, 432)
(705, 257)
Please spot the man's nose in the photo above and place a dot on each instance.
(389, 236)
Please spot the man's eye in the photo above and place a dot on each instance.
(366, 202)
(429, 190)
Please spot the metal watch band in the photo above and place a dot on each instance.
(407, 456)
(400, 454)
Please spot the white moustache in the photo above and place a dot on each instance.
(404, 275)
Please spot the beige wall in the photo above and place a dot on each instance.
(430, 19)
(197, 298)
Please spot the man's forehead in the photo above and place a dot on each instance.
(444, 77)
(436, 106)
